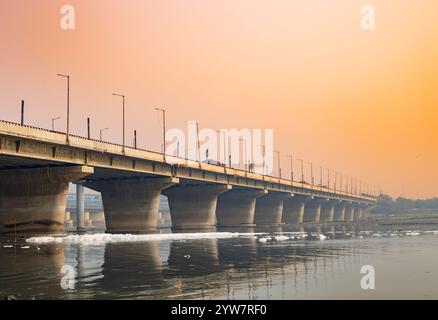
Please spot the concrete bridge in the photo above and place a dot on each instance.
(37, 165)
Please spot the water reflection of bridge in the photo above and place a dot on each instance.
(184, 269)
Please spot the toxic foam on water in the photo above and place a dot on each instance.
(413, 233)
(91, 239)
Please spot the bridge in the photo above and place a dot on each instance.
(37, 166)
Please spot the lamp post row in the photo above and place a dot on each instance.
(352, 185)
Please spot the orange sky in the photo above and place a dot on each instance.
(361, 102)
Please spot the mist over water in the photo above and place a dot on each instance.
(284, 263)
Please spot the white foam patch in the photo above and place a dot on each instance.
(281, 238)
(322, 237)
(92, 239)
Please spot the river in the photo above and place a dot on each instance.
(284, 263)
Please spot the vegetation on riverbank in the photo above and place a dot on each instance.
(400, 205)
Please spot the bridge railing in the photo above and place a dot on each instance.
(58, 137)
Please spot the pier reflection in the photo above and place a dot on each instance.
(239, 267)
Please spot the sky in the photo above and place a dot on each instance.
(361, 102)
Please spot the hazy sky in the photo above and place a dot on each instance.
(364, 103)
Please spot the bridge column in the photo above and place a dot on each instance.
(80, 207)
(340, 212)
(194, 206)
(131, 205)
(312, 210)
(269, 208)
(34, 200)
(365, 211)
(237, 207)
(328, 210)
(293, 209)
(358, 210)
(349, 213)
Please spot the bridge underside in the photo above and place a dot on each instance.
(36, 168)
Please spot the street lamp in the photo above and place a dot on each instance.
(245, 160)
(336, 180)
(53, 122)
(224, 146)
(302, 171)
(264, 158)
(164, 131)
(320, 176)
(328, 178)
(68, 102)
(311, 173)
(198, 146)
(101, 131)
(123, 118)
(340, 182)
(279, 164)
(291, 167)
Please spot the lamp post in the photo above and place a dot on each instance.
(101, 131)
(68, 103)
(302, 171)
(279, 164)
(198, 146)
(164, 131)
(245, 159)
(291, 167)
(22, 112)
(53, 122)
(336, 180)
(340, 182)
(135, 139)
(88, 129)
(311, 173)
(328, 179)
(320, 176)
(224, 146)
(123, 118)
(264, 158)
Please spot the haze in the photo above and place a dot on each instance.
(364, 103)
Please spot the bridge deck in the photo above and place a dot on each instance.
(31, 147)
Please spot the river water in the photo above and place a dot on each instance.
(283, 263)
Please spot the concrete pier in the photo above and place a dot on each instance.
(193, 206)
(349, 213)
(80, 207)
(328, 210)
(358, 210)
(236, 208)
(340, 212)
(293, 209)
(131, 205)
(312, 210)
(34, 200)
(269, 208)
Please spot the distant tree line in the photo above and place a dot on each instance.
(388, 205)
